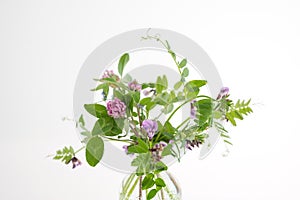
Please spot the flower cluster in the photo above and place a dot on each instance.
(116, 108)
(133, 85)
(150, 127)
(141, 116)
(110, 74)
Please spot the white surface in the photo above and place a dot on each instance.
(254, 44)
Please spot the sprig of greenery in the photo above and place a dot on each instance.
(166, 139)
(181, 65)
(65, 154)
(238, 111)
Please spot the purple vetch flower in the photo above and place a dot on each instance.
(223, 92)
(160, 145)
(191, 144)
(193, 110)
(150, 127)
(116, 108)
(125, 147)
(146, 92)
(110, 74)
(75, 162)
(134, 85)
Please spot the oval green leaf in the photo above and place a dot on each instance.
(94, 151)
(122, 62)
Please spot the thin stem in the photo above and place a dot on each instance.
(79, 149)
(138, 112)
(162, 195)
(128, 183)
(132, 188)
(134, 129)
(186, 120)
(165, 46)
(118, 140)
(140, 188)
(161, 191)
(158, 116)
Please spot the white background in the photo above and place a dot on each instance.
(254, 44)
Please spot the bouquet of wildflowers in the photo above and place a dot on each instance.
(123, 115)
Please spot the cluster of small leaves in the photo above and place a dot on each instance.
(65, 155)
(225, 109)
(151, 181)
(238, 110)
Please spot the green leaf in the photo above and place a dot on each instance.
(146, 85)
(122, 62)
(150, 105)
(228, 142)
(107, 126)
(237, 111)
(148, 181)
(231, 119)
(86, 133)
(183, 63)
(128, 100)
(162, 98)
(151, 194)
(159, 85)
(118, 94)
(168, 108)
(94, 151)
(136, 96)
(96, 110)
(160, 182)
(178, 85)
(142, 162)
(127, 78)
(172, 97)
(71, 150)
(104, 87)
(195, 83)
(159, 167)
(172, 54)
(204, 110)
(141, 147)
(145, 101)
(217, 114)
(168, 45)
(167, 150)
(165, 82)
(81, 120)
(238, 115)
(185, 72)
(57, 157)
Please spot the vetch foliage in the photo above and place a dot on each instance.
(124, 116)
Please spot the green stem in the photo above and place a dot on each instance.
(158, 116)
(132, 188)
(186, 120)
(118, 140)
(161, 191)
(139, 117)
(187, 101)
(167, 48)
(79, 149)
(140, 187)
(128, 183)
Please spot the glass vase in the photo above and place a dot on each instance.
(132, 188)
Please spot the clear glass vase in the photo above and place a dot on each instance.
(131, 188)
